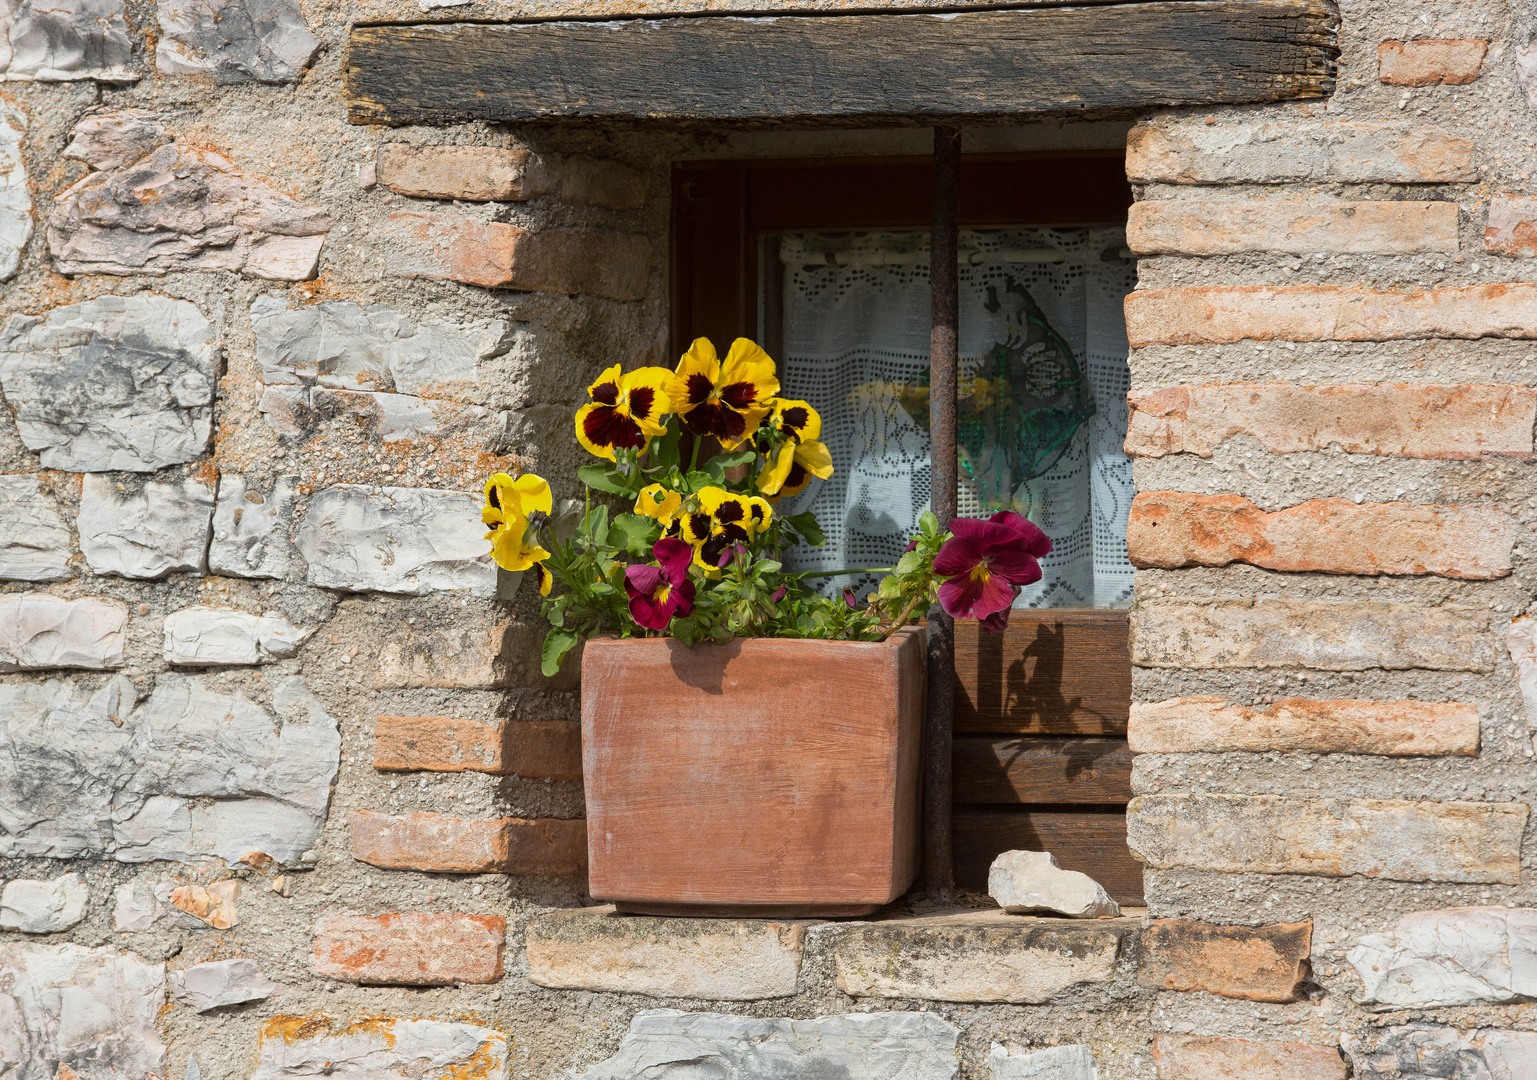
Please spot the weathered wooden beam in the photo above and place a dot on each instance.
(1035, 769)
(976, 64)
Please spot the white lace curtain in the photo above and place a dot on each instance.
(1041, 330)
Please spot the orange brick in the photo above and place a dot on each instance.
(439, 744)
(545, 748)
(1227, 226)
(1512, 225)
(1430, 63)
(474, 173)
(613, 265)
(410, 950)
(438, 844)
(1196, 1057)
(1207, 724)
(1225, 314)
(1171, 529)
(1419, 421)
(1263, 963)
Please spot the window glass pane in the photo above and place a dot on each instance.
(1042, 405)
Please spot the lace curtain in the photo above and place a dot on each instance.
(1043, 381)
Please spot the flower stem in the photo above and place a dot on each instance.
(693, 459)
(845, 570)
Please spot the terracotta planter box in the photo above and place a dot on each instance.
(761, 777)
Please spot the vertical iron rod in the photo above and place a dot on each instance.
(944, 244)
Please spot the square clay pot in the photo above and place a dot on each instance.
(764, 776)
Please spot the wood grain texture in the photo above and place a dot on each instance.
(762, 774)
(868, 66)
(1033, 769)
(1062, 671)
(1087, 840)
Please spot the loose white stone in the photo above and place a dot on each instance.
(91, 1009)
(206, 635)
(665, 1044)
(39, 631)
(191, 772)
(34, 540)
(60, 40)
(388, 1048)
(119, 382)
(162, 529)
(1071, 1062)
(15, 197)
(396, 540)
(1026, 881)
(234, 40)
(43, 907)
(220, 982)
(345, 346)
(1456, 956)
(251, 529)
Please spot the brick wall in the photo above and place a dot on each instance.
(281, 789)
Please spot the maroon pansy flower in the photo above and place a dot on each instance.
(986, 563)
(657, 593)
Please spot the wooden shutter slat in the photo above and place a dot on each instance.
(1032, 769)
(1093, 842)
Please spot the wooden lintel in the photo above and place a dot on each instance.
(971, 64)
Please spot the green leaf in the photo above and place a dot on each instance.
(698, 481)
(713, 469)
(928, 523)
(595, 525)
(603, 478)
(732, 459)
(805, 523)
(557, 643)
(631, 532)
(664, 449)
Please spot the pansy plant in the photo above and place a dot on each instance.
(682, 532)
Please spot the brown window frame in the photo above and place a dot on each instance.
(1040, 755)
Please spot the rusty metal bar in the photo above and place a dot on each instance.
(944, 244)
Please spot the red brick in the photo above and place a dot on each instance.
(1207, 724)
(1225, 314)
(1512, 225)
(439, 844)
(439, 744)
(474, 173)
(588, 180)
(1430, 63)
(613, 265)
(1419, 421)
(545, 748)
(1227, 226)
(1196, 1057)
(1261, 963)
(410, 950)
(1172, 529)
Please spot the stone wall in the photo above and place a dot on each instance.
(282, 791)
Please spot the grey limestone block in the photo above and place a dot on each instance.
(15, 197)
(251, 529)
(193, 771)
(119, 382)
(43, 907)
(34, 539)
(385, 1048)
(414, 541)
(39, 631)
(235, 41)
(146, 534)
(107, 138)
(1431, 1052)
(1455, 956)
(206, 636)
(665, 1044)
(1072, 1062)
(63, 40)
(220, 982)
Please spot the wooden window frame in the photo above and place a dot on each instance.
(1040, 758)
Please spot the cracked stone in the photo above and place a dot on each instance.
(106, 138)
(69, 1011)
(1028, 881)
(15, 197)
(34, 540)
(1521, 641)
(220, 982)
(206, 636)
(162, 529)
(191, 772)
(396, 540)
(39, 631)
(43, 907)
(1455, 956)
(213, 904)
(145, 905)
(665, 1044)
(251, 529)
(181, 208)
(235, 40)
(63, 40)
(385, 1048)
(1072, 1062)
(119, 382)
(349, 347)
(1431, 1052)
